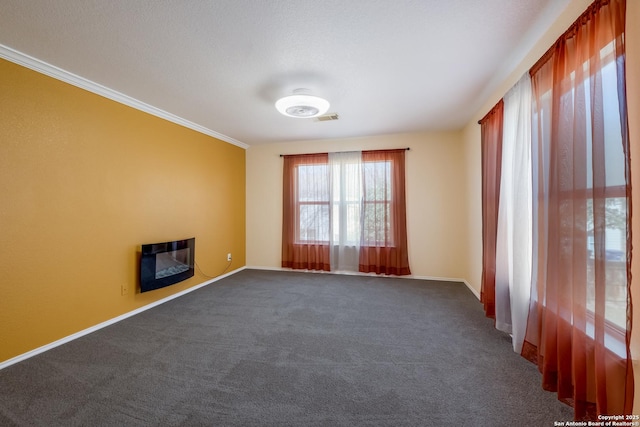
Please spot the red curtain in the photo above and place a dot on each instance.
(306, 212)
(383, 244)
(491, 139)
(581, 181)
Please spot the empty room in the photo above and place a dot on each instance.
(337, 213)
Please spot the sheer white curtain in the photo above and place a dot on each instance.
(513, 247)
(346, 200)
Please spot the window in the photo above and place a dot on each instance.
(337, 205)
(615, 259)
(354, 207)
(313, 202)
(605, 187)
(378, 195)
(613, 198)
(347, 200)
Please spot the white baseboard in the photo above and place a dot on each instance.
(117, 319)
(355, 273)
(473, 290)
(448, 279)
(109, 322)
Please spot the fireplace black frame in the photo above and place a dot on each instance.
(148, 258)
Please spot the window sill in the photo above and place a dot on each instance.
(614, 336)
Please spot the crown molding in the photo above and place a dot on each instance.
(42, 67)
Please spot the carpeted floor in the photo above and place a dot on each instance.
(288, 349)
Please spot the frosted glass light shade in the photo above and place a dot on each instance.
(302, 106)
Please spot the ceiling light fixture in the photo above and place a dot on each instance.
(302, 105)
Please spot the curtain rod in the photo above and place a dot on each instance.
(350, 151)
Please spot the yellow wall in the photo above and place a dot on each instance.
(84, 181)
(471, 142)
(435, 198)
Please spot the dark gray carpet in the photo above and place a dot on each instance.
(288, 349)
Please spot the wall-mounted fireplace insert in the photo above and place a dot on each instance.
(163, 264)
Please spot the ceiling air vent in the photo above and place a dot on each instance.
(326, 117)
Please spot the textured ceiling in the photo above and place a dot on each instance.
(386, 66)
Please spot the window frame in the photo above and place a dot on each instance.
(300, 203)
(615, 334)
(387, 202)
(364, 203)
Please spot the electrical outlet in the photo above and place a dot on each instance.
(124, 289)
(229, 256)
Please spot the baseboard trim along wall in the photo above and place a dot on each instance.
(440, 279)
(104, 324)
(448, 279)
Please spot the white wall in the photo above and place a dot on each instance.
(436, 203)
(473, 208)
